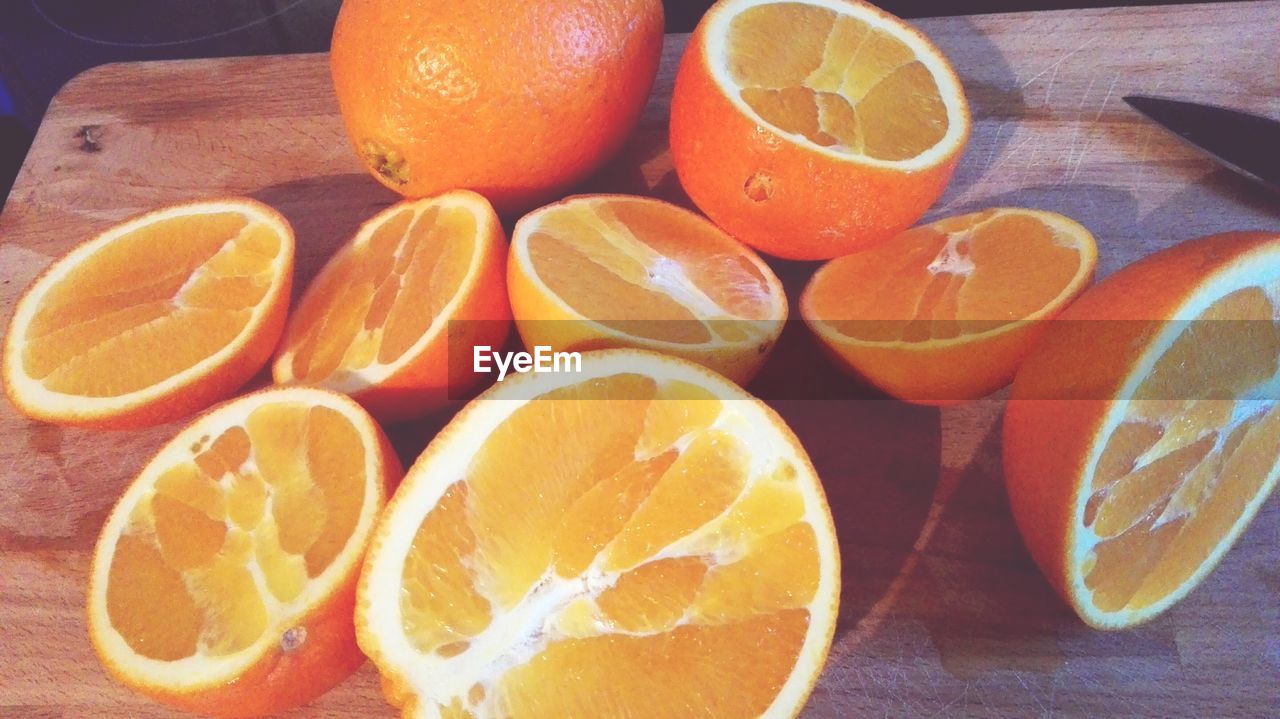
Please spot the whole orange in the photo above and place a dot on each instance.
(515, 100)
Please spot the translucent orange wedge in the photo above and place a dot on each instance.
(1143, 433)
(641, 538)
(224, 579)
(153, 319)
(945, 312)
(392, 318)
(606, 271)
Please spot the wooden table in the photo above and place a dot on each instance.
(943, 613)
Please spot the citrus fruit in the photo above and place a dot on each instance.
(224, 579)
(641, 538)
(599, 271)
(514, 100)
(1143, 432)
(153, 319)
(944, 312)
(810, 129)
(392, 317)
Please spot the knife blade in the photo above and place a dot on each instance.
(1246, 143)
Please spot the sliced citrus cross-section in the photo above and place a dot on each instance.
(812, 128)
(1143, 433)
(944, 312)
(392, 318)
(644, 527)
(153, 319)
(224, 579)
(601, 271)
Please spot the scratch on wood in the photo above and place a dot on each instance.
(1083, 46)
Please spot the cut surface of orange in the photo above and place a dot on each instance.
(224, 579)
(153, 319)
(809, 129)
(944, 312)
(1143, 433)
(391, 319)
(644, 527)
(602, 271)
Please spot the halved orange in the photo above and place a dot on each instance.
(153, 319)
(606, 271)
(392, 318)
(945, 312)
(1143, 433)
(641, 538)
(224, 579)
(813, 128)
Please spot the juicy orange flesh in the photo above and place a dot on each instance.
(1177, 473)
(650, 270)
(283, 491)
(686, 564)
(150, 304)
(836, 80)
(959, 276)
(375, 301)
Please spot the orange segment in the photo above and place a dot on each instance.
(154, 318)
(945, 311)
(392, 315)
(210, 559)
(612, 271)
(627, 526)
(810, 129)
(1128, 497)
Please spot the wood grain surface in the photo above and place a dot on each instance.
(943, 612)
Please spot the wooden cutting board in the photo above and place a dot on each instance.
(943, 613)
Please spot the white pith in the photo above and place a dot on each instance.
(33, 392)
(201, 670)
(949, 88)
(1258, 268)
(516, 635)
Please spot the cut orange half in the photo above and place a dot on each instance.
(153, 319)
(1143, 433)
(641, 538)
(224, 579)
(944, 312)
(813, 128)
(392, 318)
(604, 271)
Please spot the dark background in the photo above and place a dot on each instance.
(44, 43)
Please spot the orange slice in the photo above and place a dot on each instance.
(224, 578)
(643, 527)
(813, 128)
(944, 312)
(1143, 432)
(602, 271)
(392, 318)
(153, 319)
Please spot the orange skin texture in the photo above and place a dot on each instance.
(1060, 397)
(436, 376)
(516, 101)
(281, 680)
(201, 391)
(780, 197)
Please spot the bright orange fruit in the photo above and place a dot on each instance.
(391, 319)
(514, 100)
(1143, 433)
(944, 312)
(153, 319)
(642, 538)
(224, 579)
(813, 128)
(599, 271)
